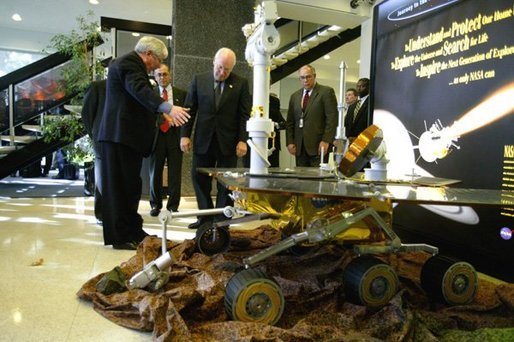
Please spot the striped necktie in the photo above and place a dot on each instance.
(356, 110)
(217, 94)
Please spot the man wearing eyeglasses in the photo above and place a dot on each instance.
(219, 103)
(311, 119)
(125, 135)
(167, 147)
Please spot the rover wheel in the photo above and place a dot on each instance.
(212, 240)
(454, 282)
(370, 282)
(251, 296)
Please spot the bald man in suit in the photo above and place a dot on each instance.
(311, 122)
(220, 129)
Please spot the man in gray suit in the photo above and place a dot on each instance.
(219, 103)
(311, 119)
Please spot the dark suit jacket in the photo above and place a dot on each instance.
(93, 105)
(131, 104)
(228, 122)
(319, 122)
(179, 96)
(355, 127)
(276, 116)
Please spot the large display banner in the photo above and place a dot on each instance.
(442, 90)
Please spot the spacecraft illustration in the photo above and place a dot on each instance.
(438, 141)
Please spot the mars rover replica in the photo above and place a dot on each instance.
(316, 206)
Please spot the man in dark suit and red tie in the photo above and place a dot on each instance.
(167, 147)
(126, 135)
(219, 103)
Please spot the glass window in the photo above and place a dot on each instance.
(11, 60)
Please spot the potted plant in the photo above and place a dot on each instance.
(76, 75)
(78, 45)
(79, 151)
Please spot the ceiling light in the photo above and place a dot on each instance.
(326, 57)
(16, 17)
(93, 2)
(135, 34)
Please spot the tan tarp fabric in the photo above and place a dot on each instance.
(191, 306)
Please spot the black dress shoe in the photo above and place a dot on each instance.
(131, 246)
(140, 237)
(155, 212)
(196, 225)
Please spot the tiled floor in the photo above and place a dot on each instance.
(39, 303)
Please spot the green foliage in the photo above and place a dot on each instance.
(69, 128)
(77, 74)
(81, 151)
(62, 127)
(77, 44)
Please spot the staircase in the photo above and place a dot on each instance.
(26, 149)
(316, 28)
(307, 49)
(305, 44)
(28, 96)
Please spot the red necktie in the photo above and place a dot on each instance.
(305, 100)
(165, 126)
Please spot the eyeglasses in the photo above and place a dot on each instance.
(306, 77)
(161, 74)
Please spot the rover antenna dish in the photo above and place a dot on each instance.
(361, 151)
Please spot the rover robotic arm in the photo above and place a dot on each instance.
(156, 271)
(153, 271)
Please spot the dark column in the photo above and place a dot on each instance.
(200, 28)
